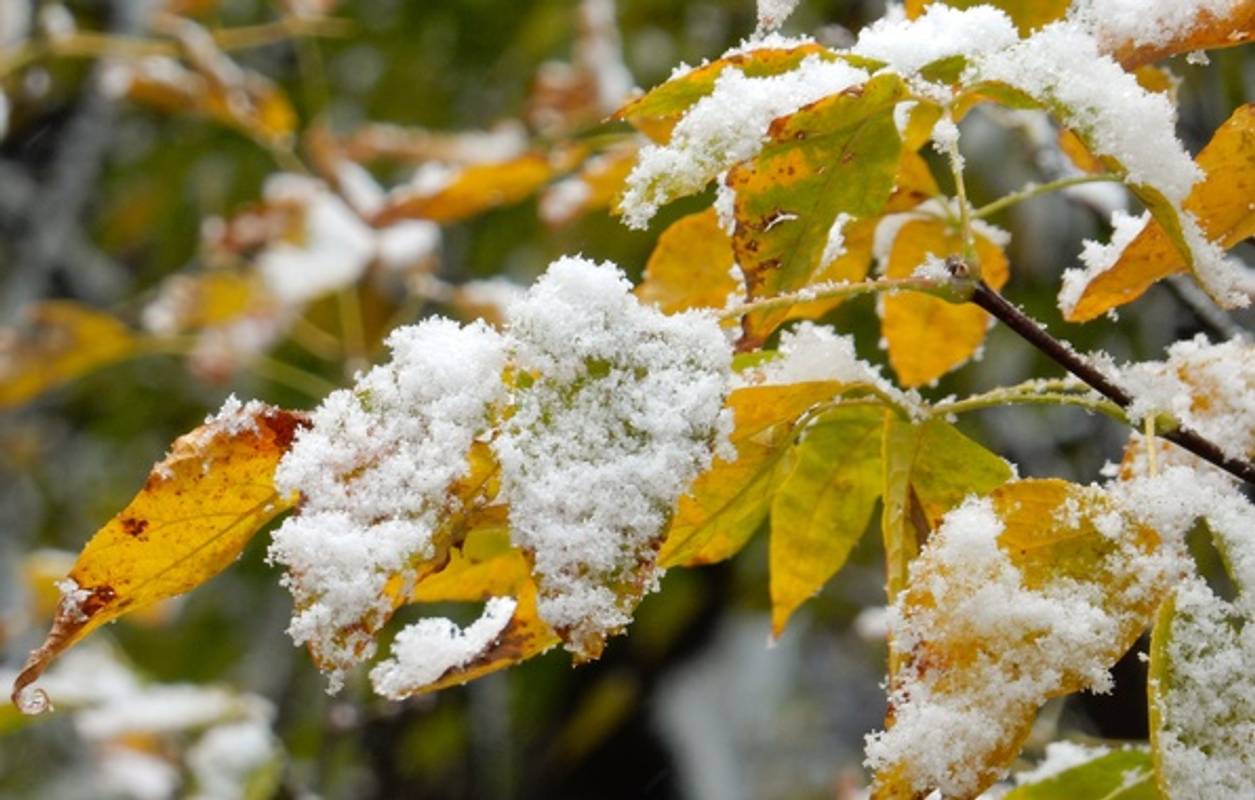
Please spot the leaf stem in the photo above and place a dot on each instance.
(1034, 189)
(295, 378)
(1069, 359)
(831, 291)
(1001, 397)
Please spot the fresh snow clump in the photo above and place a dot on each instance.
(374, 470)
(622, 408)
(941, 32)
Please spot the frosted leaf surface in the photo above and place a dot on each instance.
(374, 470)
(1098, 257)
(1146, 22)
(941, 32)
(724, 128)
(429, 648)
(623, 411)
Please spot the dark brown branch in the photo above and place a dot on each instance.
(1069, 359)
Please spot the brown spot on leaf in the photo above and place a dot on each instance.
(132, 526)
(100, 597)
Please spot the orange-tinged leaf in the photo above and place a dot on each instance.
(596, 186)
(198, 509)
(928, 336)
(1029, 594)
(1208, 32)
(839, 155)
(824, 504)
(1221, 202)
(470, 191)
(657, 111)
(1027, 15)
(1078, 153)
(727, 503)
(913, 184)
(58, 342)
(691, 266)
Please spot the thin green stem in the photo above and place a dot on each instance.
(295, 378)
(1001, 397)
(1034, 189)
(965, 210)
(352, 330)
(832, 291)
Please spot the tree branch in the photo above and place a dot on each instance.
(1069, 359)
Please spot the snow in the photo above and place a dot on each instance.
(773, 13)
(1145, 22)
(724, 128)
(969, 594)
(1060, 757)
(834, 248)
(1207, 387)
(227, 756)
(625, 410)
(408, 243)
(426, 650)
(374, 470)
(166, 708)
(940, 32)
(1098, 257)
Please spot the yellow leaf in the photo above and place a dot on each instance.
(913, 184)
(194, 302)
(824, 504)
(197, 510)
(691, 266)
(598, 184)
(1221, 202)
(928, 336)
(727, 503)
(1235, 27)
(470, 191)
(59, 342)
(1032, 593)
(1078, 153)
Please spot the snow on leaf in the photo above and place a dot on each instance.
(1124, 774)
(1030, 593)
(691, 266)
(836, 156)
(1139, 33)
(621, 409)
(912, 321)
(57, 342)
(657, 111)
(1221, 203)
(198, 509)
(727, 503)
(824, 504)
(597, 185)
(1027, 15)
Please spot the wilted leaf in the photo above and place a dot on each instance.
(58, 342)
(928, 336)
(727, 503)
(470, 191)
(823, 506)
(992, 632)
(1026, 14)
(839, 155)
(657, 111)
(1221, 202)
(1236, 26)
(198, 509)
(1124, 774)
(691, 266)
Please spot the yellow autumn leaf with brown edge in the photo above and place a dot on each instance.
(928, 336)
(691, 266)
(470, 191)
(1030, 593)
(1208, 32)
(1221, 203)
(58, 342)
(824, 504)
(198, 509)
(727, 503)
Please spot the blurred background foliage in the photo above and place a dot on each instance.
(102, 199)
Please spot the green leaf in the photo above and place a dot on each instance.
(839, 155)
(823, 506)
(1120, 775)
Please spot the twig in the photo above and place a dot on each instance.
(831, 291)
(1065, 356)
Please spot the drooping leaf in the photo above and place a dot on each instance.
(1124, 774)
(1221, 202)
(824, 504)
(928, 336)
(198, 509)
(691, 266)
(1028, 594)
(1209, 31)
(839, 155)
(471, 190)
(657, 111)
(1027, 15)
(727, 503)
(58, 342)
